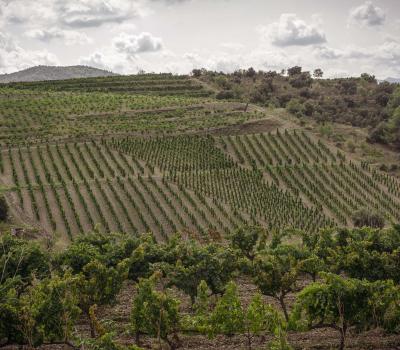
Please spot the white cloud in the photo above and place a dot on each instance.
(93, 13)
(290, 30)
(13, 57)
(134, 44)
(69, 37)
(19, 12)
(368, 15)
(105, 61)
(382, 60)
(327, 53)
(71, 13)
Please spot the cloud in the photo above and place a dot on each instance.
(13, 57)
(69, 37)
(327, 53)
(125, 53)
(382, 60)
(71, 13)
(17, 12)
(367, 15)
(290, 30)
(103, 61)
(135, 44)
(93, 13)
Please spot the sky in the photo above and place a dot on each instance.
(342, 37)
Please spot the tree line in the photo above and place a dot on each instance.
(343, 279)
(358, 101)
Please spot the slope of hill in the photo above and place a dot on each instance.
(244, 204)
(41, 73)
(98, 145)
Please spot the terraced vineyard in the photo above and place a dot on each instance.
(38, 117)
(79, 153)
(158, 84)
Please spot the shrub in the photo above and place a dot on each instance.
(225, 95)
(155, 313)
(365, 217)
(295, 107)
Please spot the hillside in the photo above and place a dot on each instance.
(100, 155)
(363, 104)
(197, 212)
(42, 73)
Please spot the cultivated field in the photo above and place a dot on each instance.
(116, 152)
(240, 200)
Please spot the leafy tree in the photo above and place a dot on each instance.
(318, 73)
(296, 107)
(48, 310)
(3, 208)
(109, 248)
(245, 239)
(379, 134)
(251, 72)
(301, 80)
(276, 272)
(338, 303)
(368, 77)
(370, 254)
(385, 304)
(196, 73)
(319, 251)
(260, 318)
(312, 265)
(9, 310)
(212, 263)
(155, 313)
(199, 321)
(78, 255)
(228, 316)
(202, 302)
(293, 71)
(147, 253)
(99, 284)
(22, 258)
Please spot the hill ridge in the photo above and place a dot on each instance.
(44, 73)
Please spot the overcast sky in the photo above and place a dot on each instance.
(343, 37)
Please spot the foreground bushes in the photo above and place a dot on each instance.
(351, 281)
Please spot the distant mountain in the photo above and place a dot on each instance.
(40, 73)
(393, 80)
